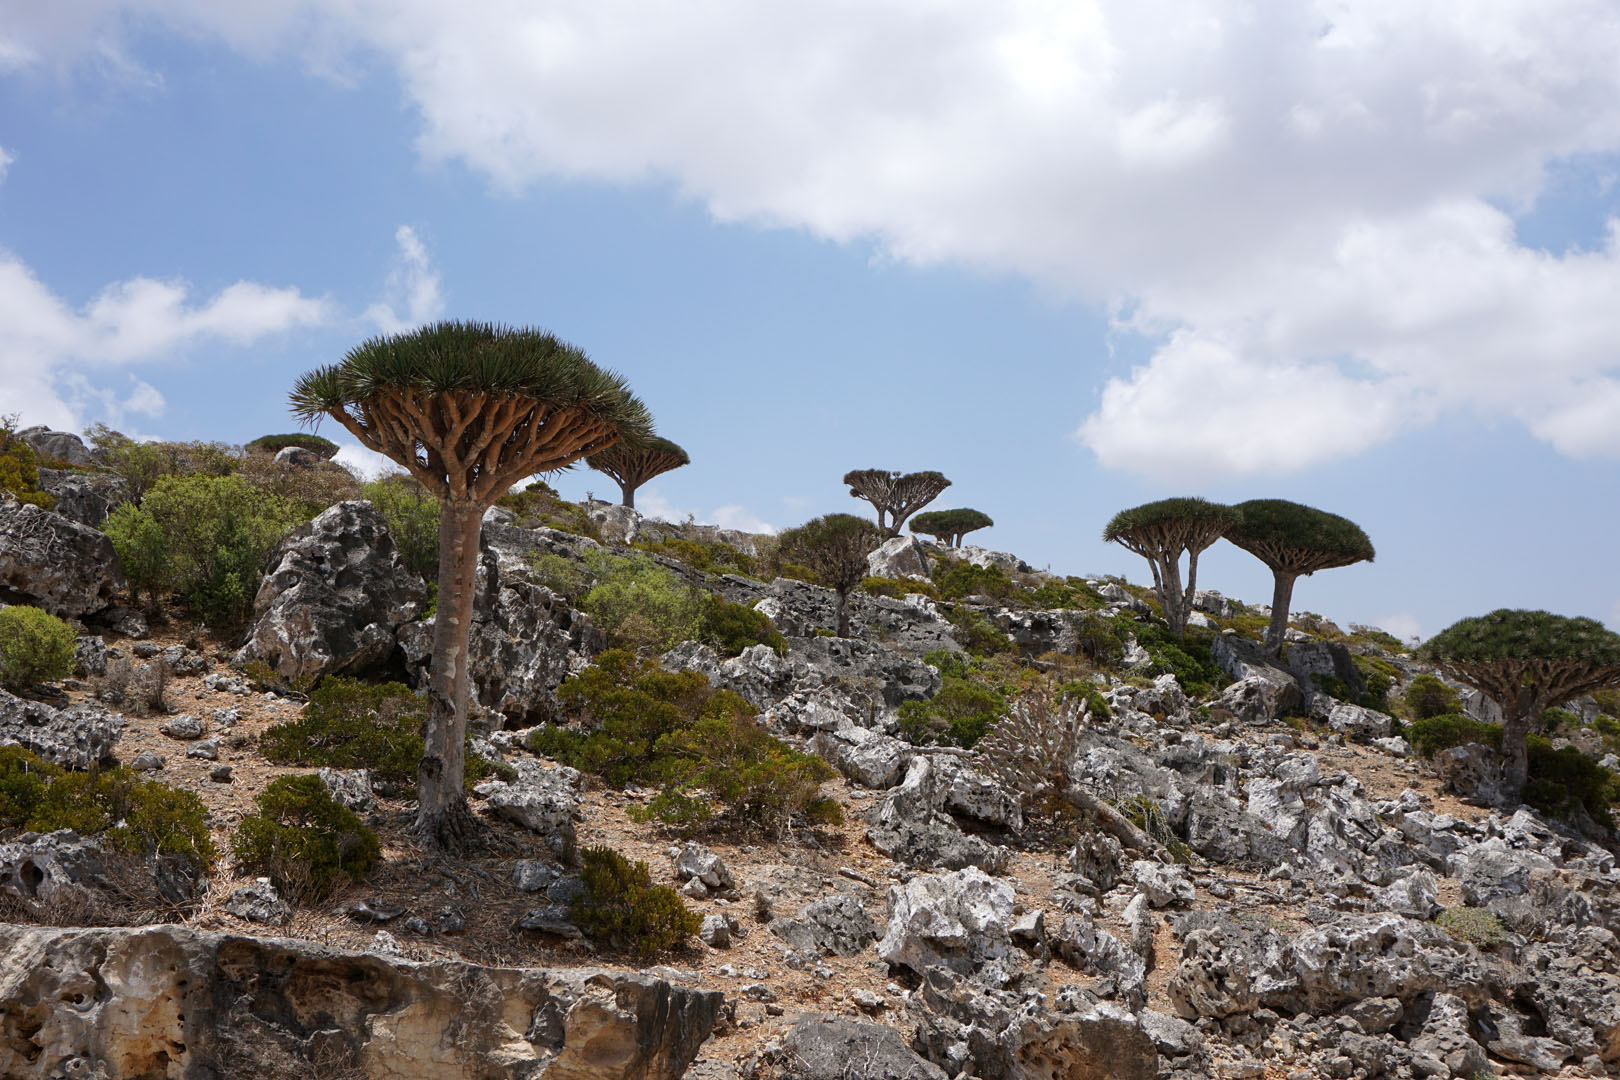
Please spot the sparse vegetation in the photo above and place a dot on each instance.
(134, 816)
(35, 648)
(321, 447)
(641, 605)
(303, 840)
(19, 468)
(623, 909)
(1473, 925)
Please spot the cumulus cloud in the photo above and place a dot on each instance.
(6, 158)
(411, 295)
(55, 360)
(1307, 206)
(652, 504)
(366, 464)
(1403, 624)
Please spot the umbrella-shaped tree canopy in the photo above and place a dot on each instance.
(632, 464)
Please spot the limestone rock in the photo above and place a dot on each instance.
(75, 737)
(60, 445)
(336, 593)
(84, 497)
(1473, 772)
(543, 799)
(1446, 1037)
(184, 726)
(351, 787)
(960, 920)
(898, 557)
(1162, 884)
(868, 758)
(829, 1048)
(258, 901)
(694, 862)
(184, 1003)
(832, 926)
(55, 563)
(910, 827)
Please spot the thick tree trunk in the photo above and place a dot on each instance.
(1113, 822)
(843, 613)
(1517, 718)
(1281, 596)
(443, 817)
(629, 491)
(1175, 614)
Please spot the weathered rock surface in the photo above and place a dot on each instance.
(84, 497)
(188, 1005)
(75, 736)
(543, 799)
(898, 557)
(832, 1048)
(960, 921)
(912, 826)
(60, 445)
(833, 926)
(55, 563)
(335, 595)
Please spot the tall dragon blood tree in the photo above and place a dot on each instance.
(949, 526)
(633, 464)
(468, 409)
(895, 495)
(1295, 540)
(1161, 532)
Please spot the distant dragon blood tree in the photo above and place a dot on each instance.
(633, 464)
(1293, 540)
(1161, 532)
(468, 409)
(1526, 662)
(949, 526)
(835, 546)
(895, 495)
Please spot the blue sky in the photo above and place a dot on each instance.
(1075, 256)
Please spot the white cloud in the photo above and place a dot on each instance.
(1403, 624)
(1298, 200)
(411, 295)
(366, 464)
(53, 359)
(6, 159)
(732, 516)
(652, 504)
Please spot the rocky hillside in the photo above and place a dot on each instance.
(1009, 827)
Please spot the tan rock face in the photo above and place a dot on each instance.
(170, 1003)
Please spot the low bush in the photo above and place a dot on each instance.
(898, 588)
(1087, 691)
(959, 714)
(19, 468)
(144, 464)
(205, 538)
(633, 722)
(562, 575)
(135, 816)
(1378, 639)
(976, 634)
(35, 647)
(349, 724)
(312, 487)
(1187, 658)
(641, 605)
(1433, 734)
(730, 628)
(23, 780)
(956, 579)
(1561, 781)
(138, 689)
(1427, 696)
(412, 514)
(1071, 593)
(1609, 728)
(708, 558)
(537, 506)
(303, 840)
(1101, 640)
(623, 909)
(1473, 925)
(1554, 720)
(321, 447)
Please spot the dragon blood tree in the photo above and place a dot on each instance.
(633, 464)
(835, 547)
(468, 409)
(949, 526)
(1161, 532)
(895, 495)
(1293, 540)
(1526, 662)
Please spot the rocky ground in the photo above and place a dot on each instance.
(1282, 924)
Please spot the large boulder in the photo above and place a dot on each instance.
(75, 736)
(82, 496)
(336, 594)
(543, 799)
(831, 1048)
(175, 1002)
(55, 563)
(912, 826)
(898, 557)
(961, 921)
(834, 926)
(61, 446)
(1261, 689)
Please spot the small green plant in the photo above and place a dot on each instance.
(19, 468)
(623, 909)
(349, 724)
(976, 634)
(412, 514)
(1433, 734)
(304, 840)
(1100, 639)
(730, 628)
(641, 605)
(1473, 925)
(1427, 696)
(23, 780)
(1555, 720)
(1560, 781)
(562, 575)
(1609, 728)
(898, 588)
(1087, 691)
(957, 579)
(1187, 658)
(959, 714)
(137, 817)
(35, 647)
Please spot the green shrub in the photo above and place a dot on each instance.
(320, 446)
(1187, 658)
(204, 537)
(1433, 734)
(19, 468)
(1378, 639)
(1070, 593)
(306, 842)
(562, 575)
(1101, 639)
(1427, 696)
(623, 909)
(976, 634)
(23, 780)
(144, 464)
(641, 605)
(1379, 676)
(950, 664)
(1087, 691)
(412, 514)
(1608, 701)
(959, 714)
(1560, 781)
(730, 628)
(898, 588)
(1553, 720)
(537, 506)
(349, 724)
(1609, 728)
(959, 579)
(1473, 925)
(636, 723)
(312, 488)
(137, 817)
(35, 647)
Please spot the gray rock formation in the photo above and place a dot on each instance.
(75, 736)
(335, 595)
(84, 497)
(898, 557)
(911, 826)
(960, 921)
(55, 563)
(831, 926)
(60, 445)
(258, 901)
(543, 799)
(831, 1048)
(190, 1005)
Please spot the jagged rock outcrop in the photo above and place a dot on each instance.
(833, 926)
(832, 1048)
(912, 826)
(335, 596)
(960, 921)
(62, 446)
(543, 799)
(55, 563)
(898, 557)
(83, 496)
(74, 736)
(188, 1005)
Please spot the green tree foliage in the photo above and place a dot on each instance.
(957, 579)
(321, 447)
(35, 647)
(134, 816)
(959, 714)
(306, 842)
(413, 521)
(949, 526)
(469, 410)
(1427, 696)
(633, 722)
(896, 496)
(1161, 532)
(834, 547)
(623, 909)
(19, 468)
(641, 605)
(1295, 540)
(205, 538)
(143, 464)
(1527, 662)
(730, 628)
(633, 463)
